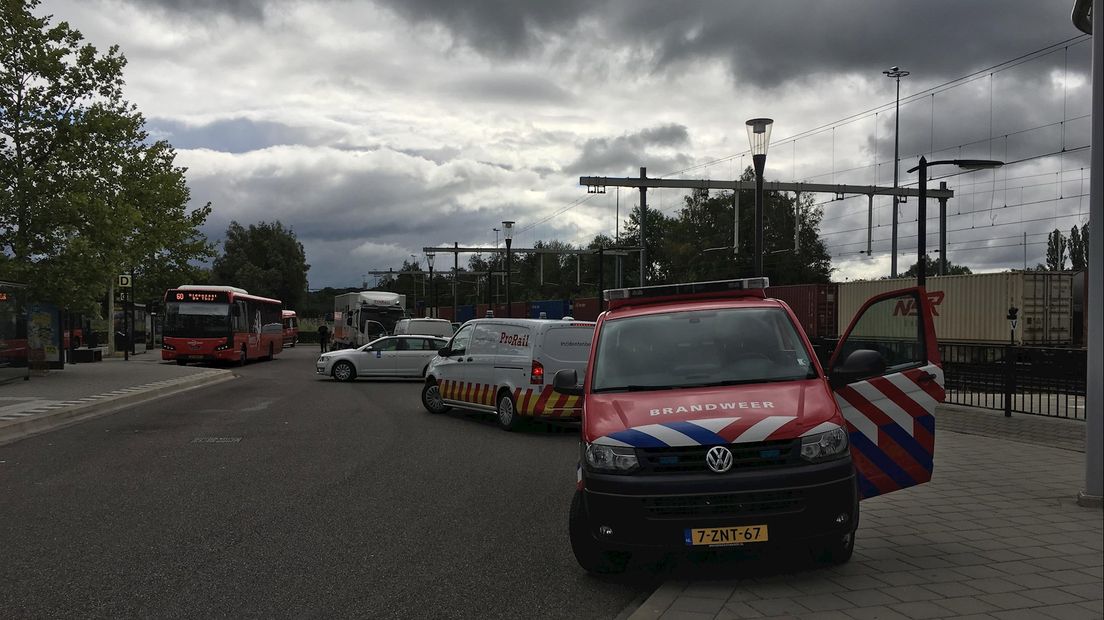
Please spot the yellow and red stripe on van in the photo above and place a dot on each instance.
(541, 402)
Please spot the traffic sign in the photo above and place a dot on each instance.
(124, 281)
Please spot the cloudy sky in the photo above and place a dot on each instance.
(374, 129)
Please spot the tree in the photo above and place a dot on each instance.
(1056, 251)
(1078, 247)
(931, 268)
(83, 196)
(264, 259)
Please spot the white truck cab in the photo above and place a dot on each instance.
(505, 367)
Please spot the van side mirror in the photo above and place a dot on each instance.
(444, 351)
(860, 364)
(566, 382)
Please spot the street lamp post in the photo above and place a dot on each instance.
(759, 130)
(432, 284)
(896, 73)
(922, 207)
(507, 234)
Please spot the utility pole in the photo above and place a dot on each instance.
(896, 73)
(643, 210)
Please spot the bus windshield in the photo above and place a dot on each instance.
(197, 320)
(699, 349)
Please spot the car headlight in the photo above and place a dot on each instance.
(321, 360)
(612, 459)
(823, 446)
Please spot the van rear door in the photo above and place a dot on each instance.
(887, 378)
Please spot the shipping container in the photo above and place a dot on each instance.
(813, 304)
(553, 308)
(444, 312)
(465, 313)
(974, 308)
(586, 308)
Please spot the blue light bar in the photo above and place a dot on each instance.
(689, 288)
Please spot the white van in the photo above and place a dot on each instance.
(505, 367)
(424, 327)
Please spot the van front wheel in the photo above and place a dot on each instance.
(508, 417)
(431, 398)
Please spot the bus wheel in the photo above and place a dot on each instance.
(344, 371)
(508, 417)
(431, 398)
(181, 362)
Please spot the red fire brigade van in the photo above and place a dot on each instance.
(709, 422)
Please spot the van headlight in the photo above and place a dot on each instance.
(824, 446)
(611, 459)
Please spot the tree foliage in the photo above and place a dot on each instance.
(1056, 251)
(931, 268)
(84, 196)
(264, 259)
(1079, 247)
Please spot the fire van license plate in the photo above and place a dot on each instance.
(713, 536)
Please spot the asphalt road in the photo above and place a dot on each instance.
(304, 497)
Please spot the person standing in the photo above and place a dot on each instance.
(323, 336)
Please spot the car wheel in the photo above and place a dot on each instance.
(431, 398)
(591, 555)
(508, 417)
(344, 371)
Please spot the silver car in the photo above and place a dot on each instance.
(390, 356)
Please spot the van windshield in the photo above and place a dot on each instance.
(699, 349)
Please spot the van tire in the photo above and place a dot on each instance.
(431, 398)
(590, 555)
(343, 371)
(506, 412)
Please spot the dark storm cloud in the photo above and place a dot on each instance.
(236, 135)
(494, 27)
(602, 156)
(251, 10)
(768, 43)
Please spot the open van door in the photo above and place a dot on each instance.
(887, 378)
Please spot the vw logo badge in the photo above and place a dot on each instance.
(719, 459)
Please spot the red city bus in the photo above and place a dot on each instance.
(220, 323)
(291, 328)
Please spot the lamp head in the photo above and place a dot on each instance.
(507, 229)
(759, 130)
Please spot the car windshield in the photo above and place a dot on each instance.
(698, 349)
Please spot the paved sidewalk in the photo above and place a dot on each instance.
(997, 533)
(80, 390)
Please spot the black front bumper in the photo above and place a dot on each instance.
(798, 504)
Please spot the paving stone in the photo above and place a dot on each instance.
(911, 593)
(739, 610)
(967, 605)
(994, 585)
(1034, 580)
(722, 591)
(697, 604)
(1051, 596)
(921, 610)
(858, 582)
(1069, 611)
(875, 613)
(868, 598)
(674, 614)
(822, 602)
(952, 588)
(1087, 591)
(772, 590)
(980, 572)
(1008, 600)
(779, 606)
